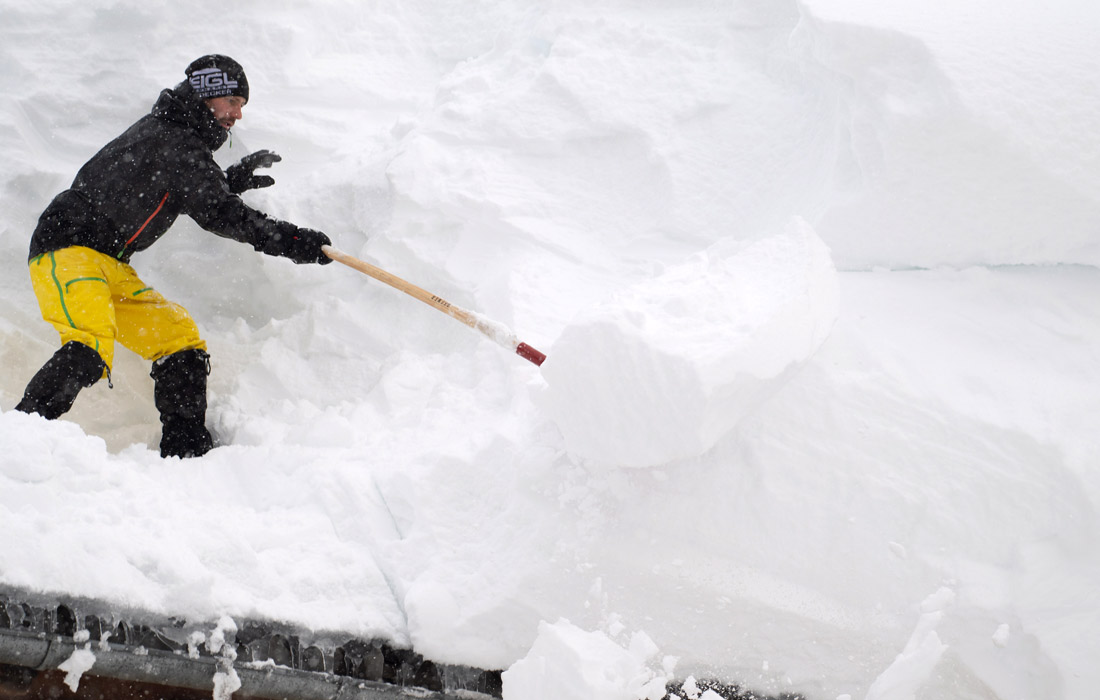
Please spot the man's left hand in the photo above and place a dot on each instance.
(240, 175)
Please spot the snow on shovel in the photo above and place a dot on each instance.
(499, 333)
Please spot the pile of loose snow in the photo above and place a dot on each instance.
(913, 508)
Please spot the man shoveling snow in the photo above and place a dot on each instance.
(121, 202)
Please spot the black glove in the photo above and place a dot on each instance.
(240, 175)
(304, 246)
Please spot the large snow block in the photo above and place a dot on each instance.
(664, 369)
(568, 663)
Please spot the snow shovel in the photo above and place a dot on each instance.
(497, 332)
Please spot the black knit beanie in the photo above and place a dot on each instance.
(215, 75)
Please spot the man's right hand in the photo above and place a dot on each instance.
(305, 247)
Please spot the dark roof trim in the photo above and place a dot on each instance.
(42, 652)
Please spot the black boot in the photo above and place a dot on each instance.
(53, 388)
(179, 392)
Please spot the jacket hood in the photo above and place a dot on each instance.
(181, 106)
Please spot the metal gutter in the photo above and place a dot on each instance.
(271, 660)
(46, 652)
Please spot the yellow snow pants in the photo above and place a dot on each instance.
(94, 299)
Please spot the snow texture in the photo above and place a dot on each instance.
(817, 285)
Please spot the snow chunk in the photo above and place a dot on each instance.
(568, 663)
(226, 683)
(914, 665)
(222, 636)
(76, 666)
(666, 368)
(690, 688)
(194, 641)
(226, 680)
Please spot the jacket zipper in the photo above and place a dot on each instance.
(142, 228)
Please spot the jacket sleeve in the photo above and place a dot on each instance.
(210, 203)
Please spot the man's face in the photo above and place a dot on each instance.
(227, 110)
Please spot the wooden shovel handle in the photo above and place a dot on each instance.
(493, 330)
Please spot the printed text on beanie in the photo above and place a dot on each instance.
(217, 76)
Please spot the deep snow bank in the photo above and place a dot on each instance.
(968, 134)
(667, 367)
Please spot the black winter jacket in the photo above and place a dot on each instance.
(129, 194)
